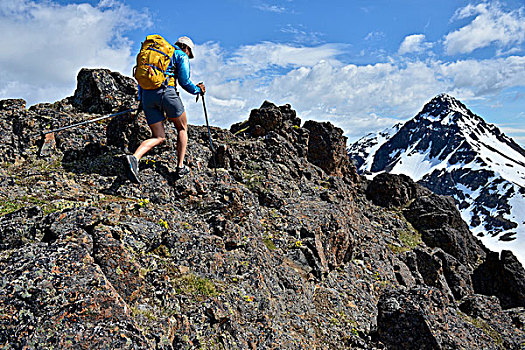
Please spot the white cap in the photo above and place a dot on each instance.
(188, 42)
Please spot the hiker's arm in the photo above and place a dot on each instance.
(183, 76)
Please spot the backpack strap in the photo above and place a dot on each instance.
(152, 49)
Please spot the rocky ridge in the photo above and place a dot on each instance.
(288, 248)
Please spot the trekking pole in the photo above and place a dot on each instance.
(87, 121)
(209, 136)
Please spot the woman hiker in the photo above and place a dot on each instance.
(166, 100)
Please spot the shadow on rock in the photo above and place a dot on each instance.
(94, 159)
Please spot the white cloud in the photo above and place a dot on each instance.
(45, 45)
(357, 98)
(486, 76)
(491, 25)
(267, 54)
(414, 44)
(375, 36)
(301, 35)
(270, 8)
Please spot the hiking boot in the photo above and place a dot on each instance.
(181, 172)
(133, 168)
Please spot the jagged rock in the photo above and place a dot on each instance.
(57, 297)
(126, 132)
(457, 275)
(268, 118)
(422, 318)
(389, 190)
(431, 270)
(13, 104)
(403, 274)
(18, 228)
(503, 277)
(435, 217)
(327, 149)
(103, 91)
(486, 313)
(440, 225)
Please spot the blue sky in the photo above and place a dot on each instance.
(363, 65)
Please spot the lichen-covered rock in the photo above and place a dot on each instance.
(103, 91)
(14, 104)
(485, 313)
(19, 227)
(423, 318)
(56, 296)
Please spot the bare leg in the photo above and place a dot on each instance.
(158, 137)
(181, 123)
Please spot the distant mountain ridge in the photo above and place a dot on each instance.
(454, 152)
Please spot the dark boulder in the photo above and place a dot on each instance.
(103, 91)
(327, 148)
(441, 225)
(486, 313)
(431, 269)
(424, 318)
(389, 190)
(266, 118)
(503, 277)
(19, 227)
(457, 275)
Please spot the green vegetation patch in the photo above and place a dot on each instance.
(269, 243)
(11, 205)
(484, 327)
(409, 238)
(7, 206)
(190, 284)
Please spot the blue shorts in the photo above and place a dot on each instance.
(159, 101)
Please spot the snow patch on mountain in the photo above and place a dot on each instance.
(454, 152)
(370, 143)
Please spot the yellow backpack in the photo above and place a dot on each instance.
(152, 62)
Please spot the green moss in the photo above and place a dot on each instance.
(484, 327)
(12, 205)
(161, 251)
(409, 239)
(269, 243)
(193, 285)
(8, 206)
(145, 313)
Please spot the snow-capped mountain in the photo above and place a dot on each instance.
(452, 151)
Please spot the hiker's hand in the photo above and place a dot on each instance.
(203, 88)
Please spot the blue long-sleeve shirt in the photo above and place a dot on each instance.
(181, 61)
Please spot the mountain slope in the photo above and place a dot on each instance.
(281, 246)
(452, 151)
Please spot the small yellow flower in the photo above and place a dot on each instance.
(163, 223)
